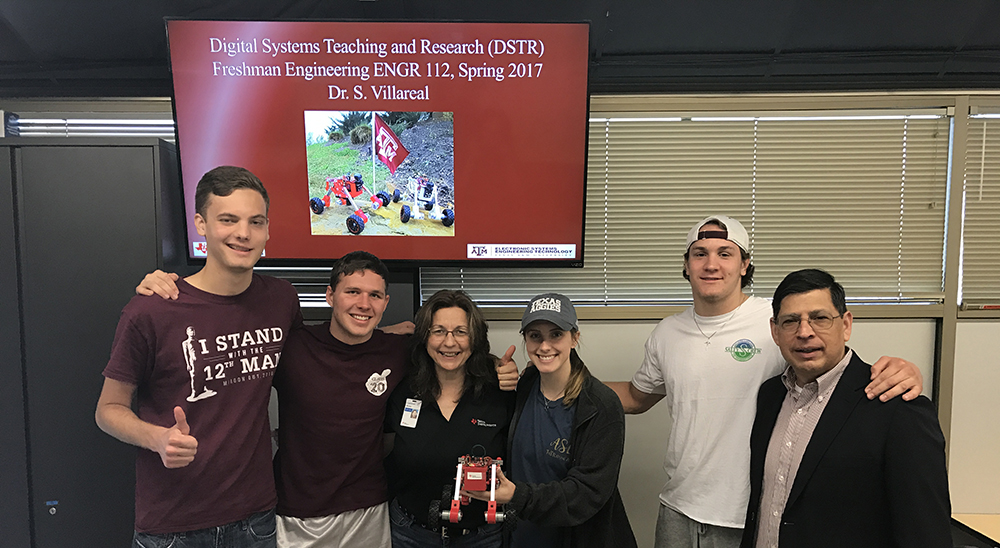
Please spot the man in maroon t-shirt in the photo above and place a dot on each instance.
(199, 368)
(333, 384)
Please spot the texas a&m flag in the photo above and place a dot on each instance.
(387, 146)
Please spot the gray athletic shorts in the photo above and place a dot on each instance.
(362, 527)
(675, 530)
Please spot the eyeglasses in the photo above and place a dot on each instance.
(460, 333)
(818, 322)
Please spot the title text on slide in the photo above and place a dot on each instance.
(423, 46)
(380, 70)
(387, 69)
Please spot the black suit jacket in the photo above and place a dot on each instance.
(873, 473)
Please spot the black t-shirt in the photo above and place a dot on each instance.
(421, 467)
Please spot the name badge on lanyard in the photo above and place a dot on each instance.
(411, 412)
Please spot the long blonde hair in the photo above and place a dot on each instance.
(578, 373)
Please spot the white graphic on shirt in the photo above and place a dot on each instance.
(239, 357)
(189, 358)
(377, 384)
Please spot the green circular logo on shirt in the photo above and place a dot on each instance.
(742, 350)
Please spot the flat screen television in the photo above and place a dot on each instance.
(424, 143)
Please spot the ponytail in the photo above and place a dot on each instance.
(578, 373)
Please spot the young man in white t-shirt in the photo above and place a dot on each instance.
(708, 363)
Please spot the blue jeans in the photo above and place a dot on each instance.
(407, 533)
(257, 531)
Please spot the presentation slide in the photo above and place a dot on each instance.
(435, 143)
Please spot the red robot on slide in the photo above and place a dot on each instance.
(345, 190)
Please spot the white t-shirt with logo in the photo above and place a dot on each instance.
(712, 394)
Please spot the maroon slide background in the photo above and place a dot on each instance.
(520, 143)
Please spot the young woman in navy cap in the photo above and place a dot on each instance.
(565, 443)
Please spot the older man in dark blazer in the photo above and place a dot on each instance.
(828, 466)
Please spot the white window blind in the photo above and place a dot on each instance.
(981, 201)
(859, 193)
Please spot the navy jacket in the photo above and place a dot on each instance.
(872, 475)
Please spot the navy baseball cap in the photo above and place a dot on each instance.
(550, 307)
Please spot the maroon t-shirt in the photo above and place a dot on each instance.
(215, 357)
(331, 406)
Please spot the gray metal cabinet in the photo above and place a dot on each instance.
(79, 226)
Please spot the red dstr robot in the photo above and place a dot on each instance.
(345, 189)
(475, 474)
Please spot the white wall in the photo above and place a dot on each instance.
(613, 351)
(974, 456)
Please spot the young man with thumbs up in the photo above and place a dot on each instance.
(199, 369)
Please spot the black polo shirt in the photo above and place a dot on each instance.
(421, 467)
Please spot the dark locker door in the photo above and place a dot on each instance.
(88, 234)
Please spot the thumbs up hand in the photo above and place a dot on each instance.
(507, 370)
(177, 447)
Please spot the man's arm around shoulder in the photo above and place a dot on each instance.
(634, 401)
